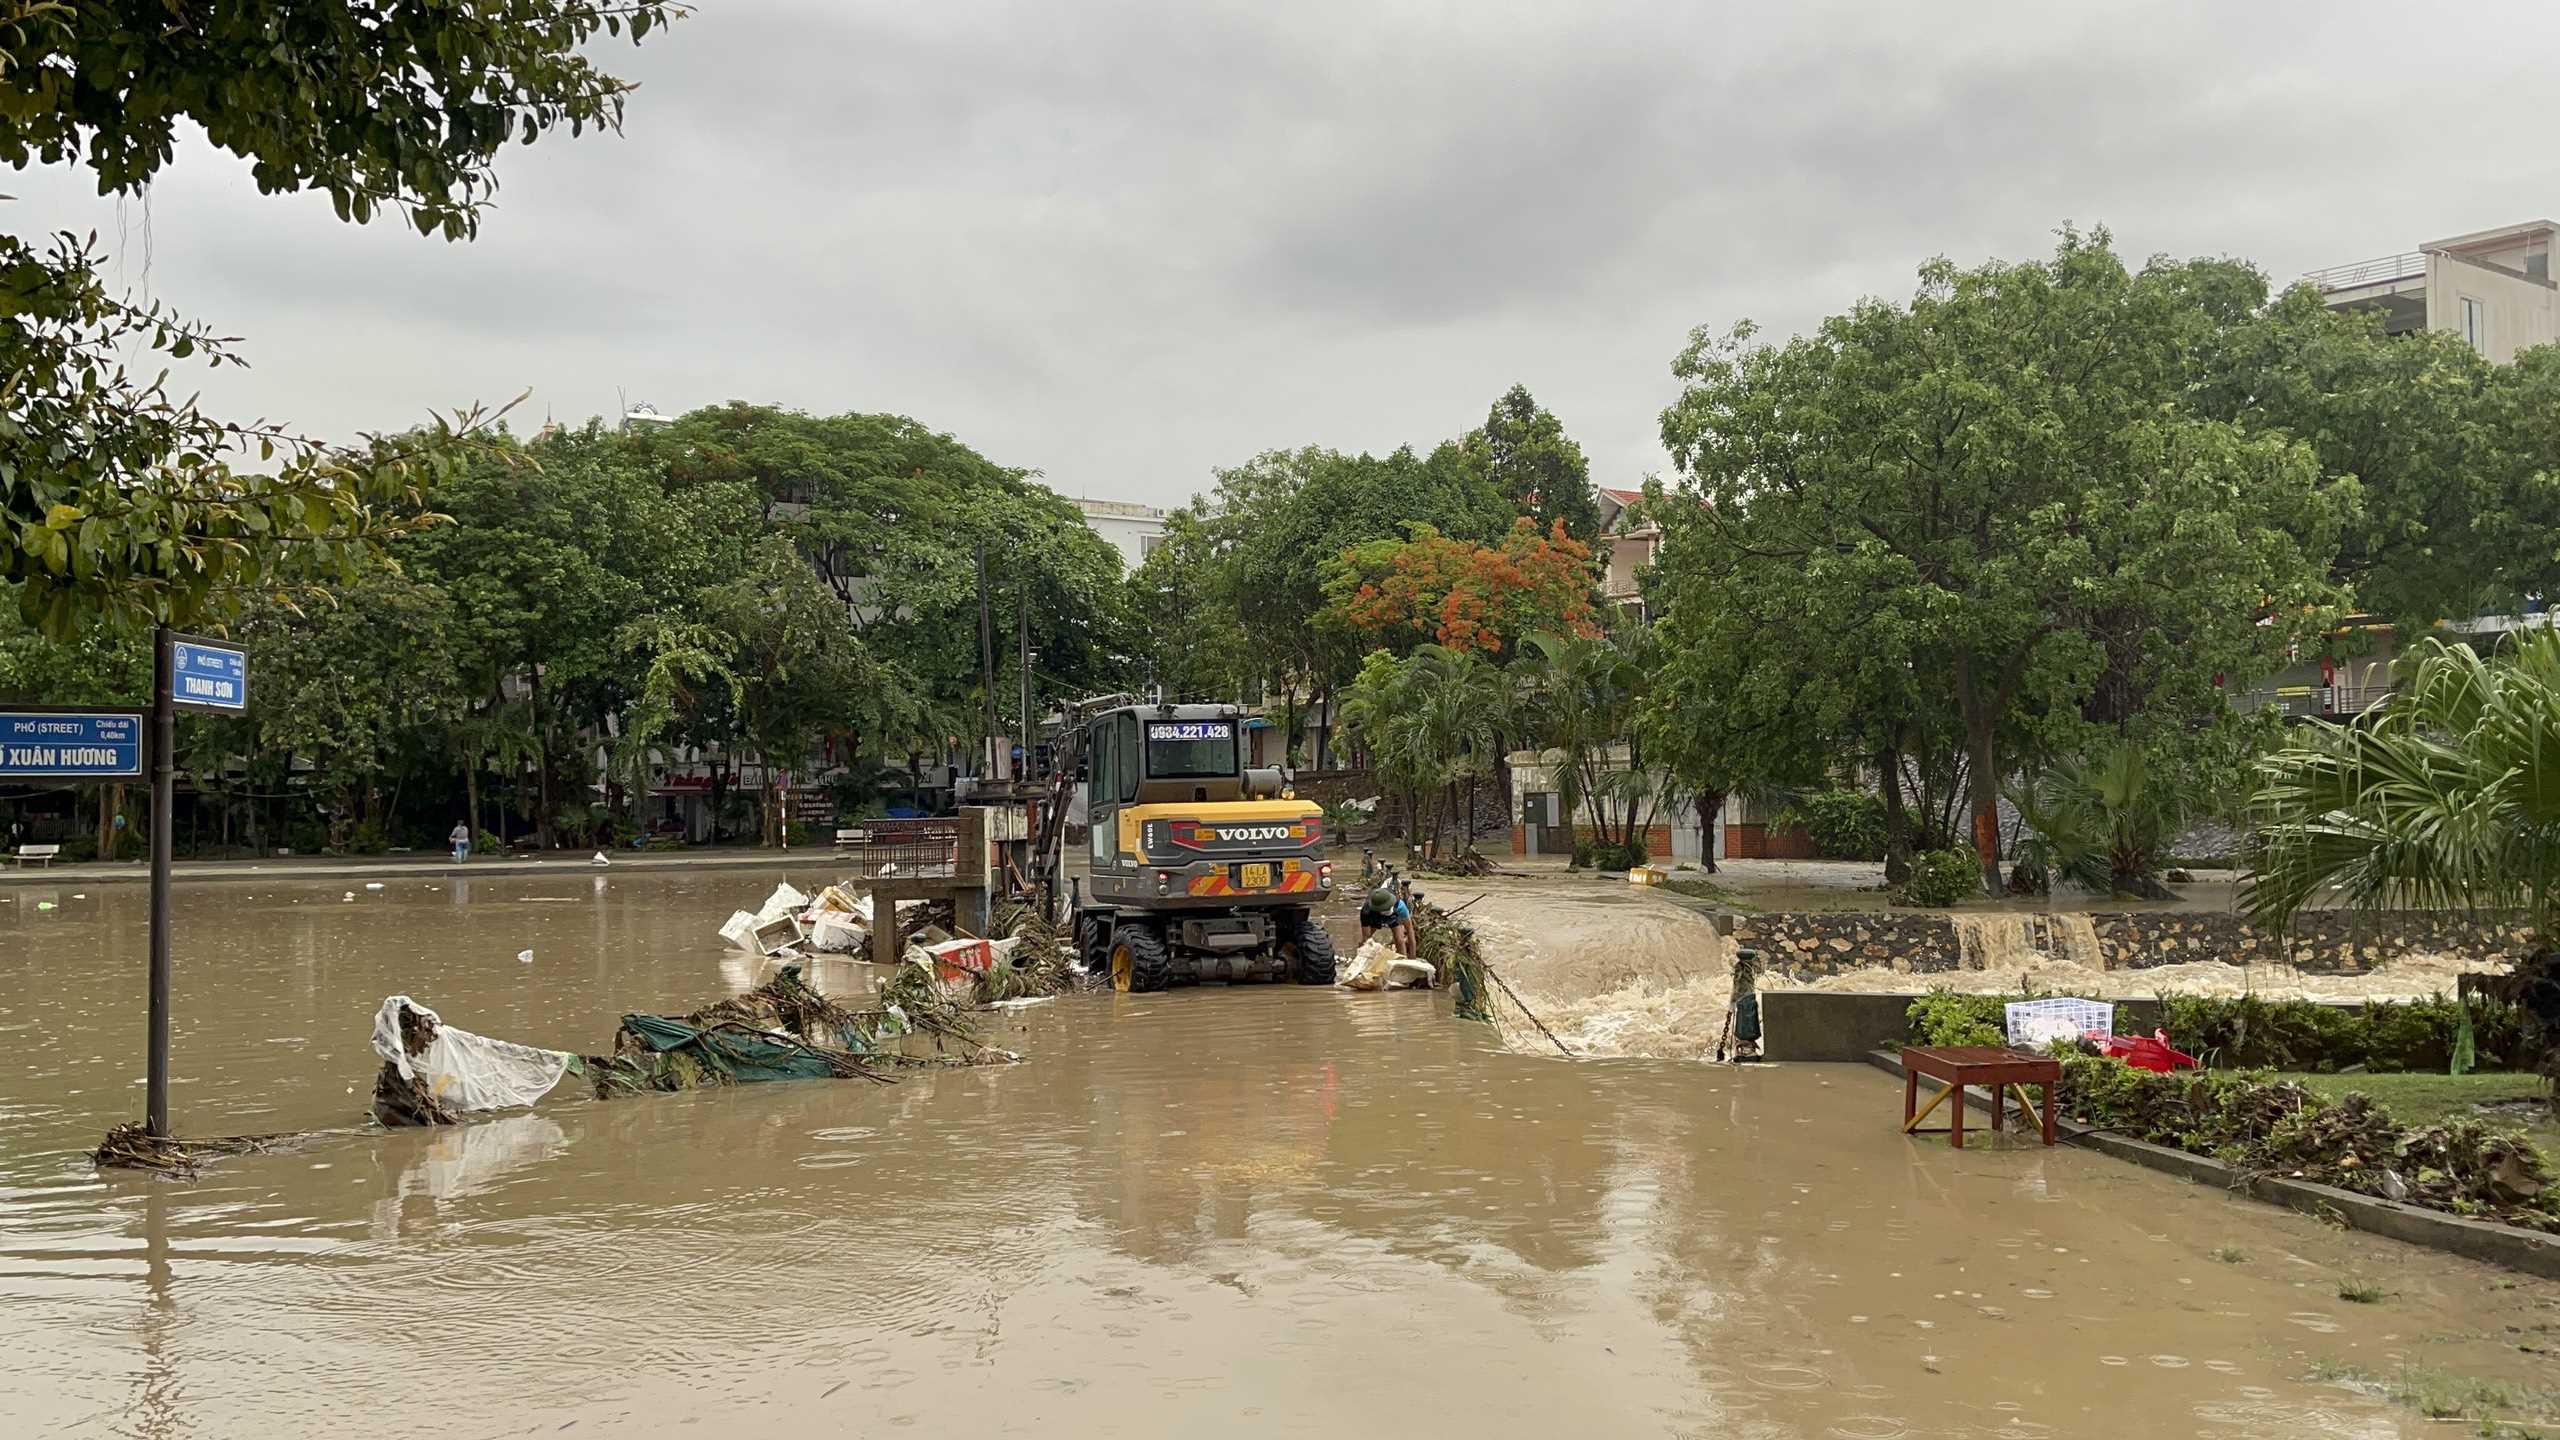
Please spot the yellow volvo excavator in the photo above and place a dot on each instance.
(1197, 866)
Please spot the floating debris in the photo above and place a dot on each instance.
(131, 1147)
(432, 1072)
(770, 928)
(1450, 947)
(1379, 965)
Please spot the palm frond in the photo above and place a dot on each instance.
(2449, 799)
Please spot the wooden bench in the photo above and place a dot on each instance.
(851, 839)
(1997, 1070)
(40, 854)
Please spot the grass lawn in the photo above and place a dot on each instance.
(2415, 1100)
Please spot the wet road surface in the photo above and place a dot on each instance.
(1253, 1211)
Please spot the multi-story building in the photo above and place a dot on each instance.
(2492, 287)
(1133, 529)
(1630, 540)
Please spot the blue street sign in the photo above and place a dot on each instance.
(70, 744)
(209, 675)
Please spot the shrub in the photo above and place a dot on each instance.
(487, 840)
(1949, 1017)
(1609, 855)
(1941, 877)
(1843, 824)
(2259, 1125)
(368, 839)
(2386, 1036)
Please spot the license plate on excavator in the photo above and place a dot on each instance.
(1253, 877)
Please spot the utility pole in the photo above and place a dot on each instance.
(1022, 643)
(164, 786)
(986, 672)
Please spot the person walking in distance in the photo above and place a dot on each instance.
(461, 838)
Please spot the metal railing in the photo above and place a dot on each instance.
(2297, 702)
(2409, 266)
(924, 849)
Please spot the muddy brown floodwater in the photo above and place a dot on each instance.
(1213, 1212)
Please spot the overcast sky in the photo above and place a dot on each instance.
(1124, 244)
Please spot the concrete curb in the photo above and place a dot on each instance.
(2517, 1249)
(564, 862)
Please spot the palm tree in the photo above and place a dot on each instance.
(1579, 698)
(2448, 797)
(1428, 722)
(1374, 711)
(2102, 822)
(499, 732)
(1460, 704)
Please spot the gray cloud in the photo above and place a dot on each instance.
(1124, 244)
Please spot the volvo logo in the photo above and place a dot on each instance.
(1197, 833)
(1250, 832)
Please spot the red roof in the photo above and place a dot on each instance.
(1623, 497)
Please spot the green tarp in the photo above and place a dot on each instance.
(736, 1054)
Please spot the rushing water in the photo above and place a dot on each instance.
(1213, 1212)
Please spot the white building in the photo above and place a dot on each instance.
(2491, 287)
(1135, 530)
(1629, 544)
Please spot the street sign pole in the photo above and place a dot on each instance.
(206, 675)
(164, 743)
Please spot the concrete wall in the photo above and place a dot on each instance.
(1754, 840)
(2519, 312)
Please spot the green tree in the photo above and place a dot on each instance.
(892, 516)
(1189, 639)
(2456, 461)
(798, 671)
(1522, 452)
(118, 502)
(687, 679)
(1735, 711)
(537, 590)
(2004, 475)
(1283, 515)
(343, 680)
(2448, 796)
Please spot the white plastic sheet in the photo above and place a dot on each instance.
(467, 1071)
(1378, 965)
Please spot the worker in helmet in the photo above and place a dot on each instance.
(1385, 910)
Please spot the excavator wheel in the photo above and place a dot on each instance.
(1140, 964)
(1093, 941)
(1308, 948)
